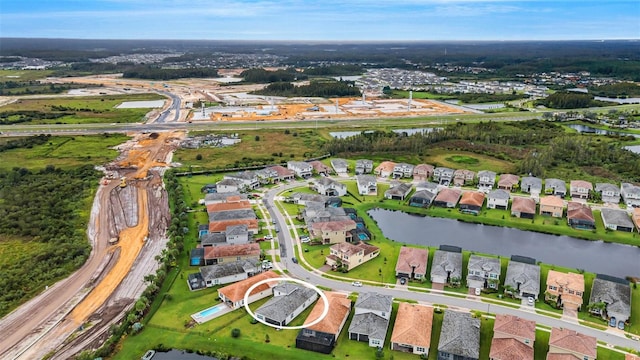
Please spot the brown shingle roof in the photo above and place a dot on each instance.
(215, 252)
(448, 195)
(410, 258)
(220, 226)
(579, 211)
(523, 205)
(570, 280)
(551, 201)
(473, 198)
(339, 308)
(509, 349)
(413, 325)
(581, 184)
(508, 180)
(340, 225)
(238, 205)
(235, 292)
(516, 326)
(573, 341)
(386, 166)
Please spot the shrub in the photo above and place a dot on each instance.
(235, 333)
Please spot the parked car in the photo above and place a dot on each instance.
(266, 265)
(294, 259)
(612, 322)
(621, 325)
(478, 291)
(268, 237)
(304, 239)
(356, 284)
(403, 281)
(531, 301)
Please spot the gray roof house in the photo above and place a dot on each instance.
(225, 273)
(630, 194)
(288, 301)
(459, 337)
(443, 175)
(483, 272)
(446, 266)
(398, 191)
(498, 199)
(217, 198)
(371, 319)
(367, 185)
(555, 187)
(427, 186)
(609, 193)
(486, 180)
(301, 168)
(422, 198)
(531, 185)
(523, 275)
(615, 293)
(329, 187)
(248, 179)
(226, 186)
(340, 166)
(402, 170)
(364, 166)
(616, 219)
(232, 215)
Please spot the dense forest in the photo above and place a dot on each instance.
(537, 147)
(334, 70)
(34, 87)
(41, 210)
(622, 90)
(154, 73)
(324, 88)
(570, 100)
(261, 76)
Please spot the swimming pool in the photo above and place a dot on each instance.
(209, 313)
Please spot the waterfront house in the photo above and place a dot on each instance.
(486, 180)
(422, 172)
(531, 185)
(580, 189)
(233, 295)
(329, 187)
(555, 187)
(363, 166)
(471, 202)
(348, 256)
(611, 299)
(508, 182)
(371, 319)
(412, 263)
(459, 336)
(446, 266)
(302, 169)
(443, 175)
(523, 207)
(580, 216)
(398, 191)
(551, 206)
(402, 170)
(483, 272)
(340, 166)
(323, 336)
(569, 344)
(523, 277)
(616, 219)
(288, 301)
(385, 169)
(412, 329)
(447, 198)
(609, 193)
(564, 289)
(498, 199)
(421, 198)
(630, 194)
(513, 338)
(333, 231)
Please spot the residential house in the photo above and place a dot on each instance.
(329, 187)
(333, 231)
(443, 175)
(609, 193)
(427, 186)
(513, 338)
(569, 344)
(222, 225)
(483, 272)
(422, 198)
(446, 266)
(364, 166)
(348, 256)
(523, 207)
(233, 295)
(422, 172)
(230, 253)
(319, 167)
(322, 337)
(237, 234)
(213, 239)
(228, 186)
(229, 206)
(302, 169)
(288, 301)
(239, 214)
(340, 166)
(398, 191)
(551, 206)
(616, 219)
(635, 216)
(215, 198)
(371, 318)
(580, 189)
(412, 329)
(306, 198)
(486, 180)
(508, 182)
(385, 169)
(412, 263)
(555, 187)
(278, 173)
(611, 299)
(402, 170)
(565, 289)
(367, 185)
(463, 177)
(225, 273)
(247, 180)
(630, 194)
(447, 198)
(498, 199)
(459, 336)
(471, 202)
(580, 216)
(531, 185)
(523, 277)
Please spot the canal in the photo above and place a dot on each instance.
(592, 256)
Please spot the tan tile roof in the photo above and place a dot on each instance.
(573, 341)
(631, 357)
(226, 206)
(570, 280)
(580, 211)
(350, 249)
(581, 184)
(474, 198)
(340, 225)
(509, 349)
(523, 204)
(220, 226)
(448, 195)
(636, 217)
(410, 258)
(386, 166)
(215, 252)
(339, 308)
(318, 166)
(423, 169)
(516, 326)
(508, 180)
(551, 356)
(235, 292)
(282, 171)
(551, 201)
(413, 325)
(234, 198)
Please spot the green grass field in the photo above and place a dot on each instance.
(23, 75)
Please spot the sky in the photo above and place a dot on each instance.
(335, 20)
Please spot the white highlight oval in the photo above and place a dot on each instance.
(304, 283)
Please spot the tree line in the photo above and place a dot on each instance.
(570, 100)
(155, 73)
(314, 89)
(261, 76)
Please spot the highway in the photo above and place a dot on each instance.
(287, 242)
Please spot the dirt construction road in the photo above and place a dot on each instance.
(138, 214)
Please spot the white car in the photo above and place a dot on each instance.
(304, 239)
(356, 284)
(531, 300)
(478, 291)
(266, 265)
(268, 237)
